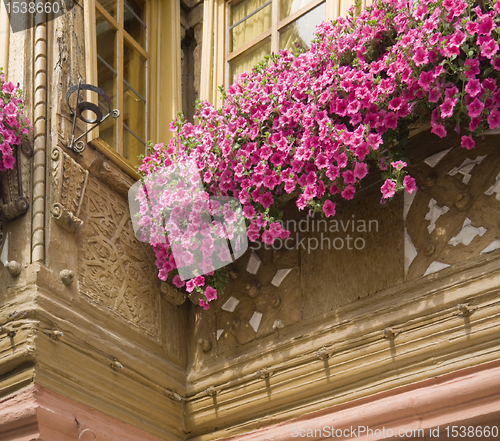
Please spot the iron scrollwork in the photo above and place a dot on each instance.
(77, 145)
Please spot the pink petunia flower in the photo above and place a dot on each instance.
(267, 238)
(266, 199)
(348, 192)
(421, 56)
(388, 189)
(434, 95)
(399, 165)
(204, 304)
(8, 162)
(349, 177)
(447, 107)
(486, 25)
(474, 124)
(475, 108)
(329, 208)
(360, 170)
(494, 119)
(472, 66)
(467, 142)
(210, 293)
(473, 87)
(439, 130)
(409, 184)
(199, 281)
(190, 285)
(489, 47)
(177, 281)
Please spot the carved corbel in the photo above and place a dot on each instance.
(13, 201)
(171, 295)
(69, 180)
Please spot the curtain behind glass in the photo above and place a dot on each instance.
(253, 26)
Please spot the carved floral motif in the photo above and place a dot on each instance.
(68, 184)
(116, 270)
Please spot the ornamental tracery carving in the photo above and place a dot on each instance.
(69, 180)
(117, 271)
(454, 214)
(14, 184)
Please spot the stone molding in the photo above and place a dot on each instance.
(467, 397)
(328, 361)
(40, 139)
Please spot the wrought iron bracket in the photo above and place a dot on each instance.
(81, 106)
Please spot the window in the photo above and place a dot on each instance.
(122, 72)
(238, 34)
(259, 27)
(133, 54)
(4, 37)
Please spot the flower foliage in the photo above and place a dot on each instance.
(311, 126)
(14, 127)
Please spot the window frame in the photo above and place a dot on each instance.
(163, 99)
(4, 38)
(273, 32)
(215, 63)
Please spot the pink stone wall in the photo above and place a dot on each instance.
(40, 414)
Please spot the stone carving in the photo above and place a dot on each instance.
(454, 215)
(116, 270)
(13, 201)
(40, 139)
(114, 177)
(172, 295)
(68, 184)
(251, 306)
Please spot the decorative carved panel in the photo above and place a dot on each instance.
(68, 184)
(14, 183)
(117, 271)
(455, 213)
(262, 296)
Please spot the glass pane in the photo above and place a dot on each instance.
(289, 7)
(106, 41)
(300, 32)
(134, 113)
(132, 147)
(135, 20)
(110, 6)
(107, 130)
(250, 27)
(134, 70)
(248, 61)
(106, 81)
(106, 75)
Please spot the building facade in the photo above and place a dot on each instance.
(382, 320)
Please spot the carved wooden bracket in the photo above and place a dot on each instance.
(171, 295)
(13, 202)
(69, 180)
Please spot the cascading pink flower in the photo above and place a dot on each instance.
(14, 127)
(306, 126)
